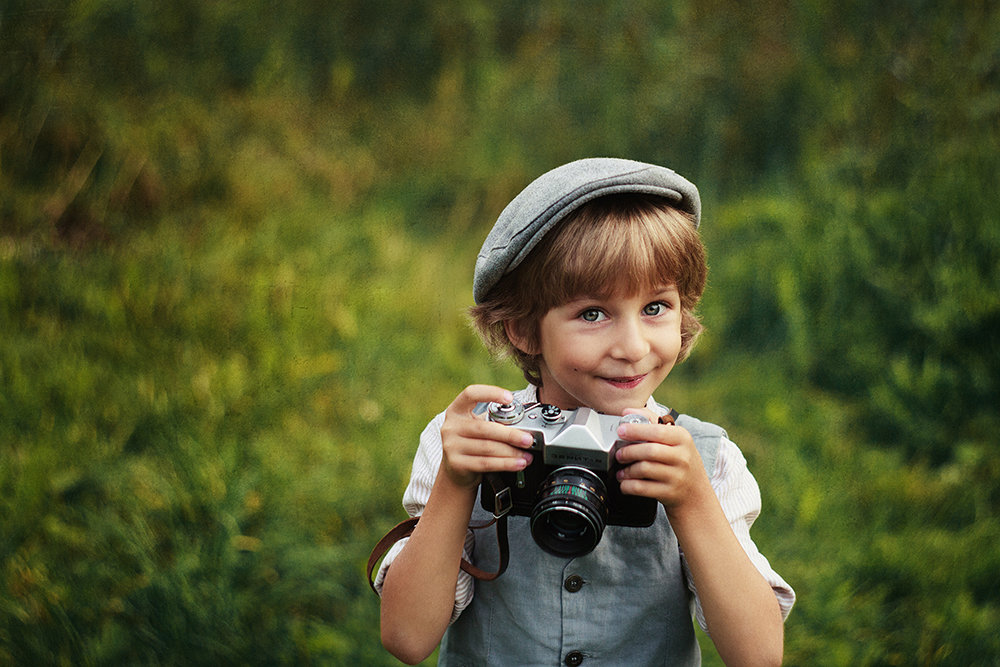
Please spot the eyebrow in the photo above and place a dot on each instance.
(580, 299)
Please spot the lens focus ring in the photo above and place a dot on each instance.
(569, 517)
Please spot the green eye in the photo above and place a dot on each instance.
(591, 315)
(654, 308)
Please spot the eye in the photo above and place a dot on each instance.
(592, 315)
(655, 308)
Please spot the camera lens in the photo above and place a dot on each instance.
(569, 517)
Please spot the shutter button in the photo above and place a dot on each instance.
(574, 583)
(573, 658)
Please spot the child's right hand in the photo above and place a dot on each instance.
(473, 445)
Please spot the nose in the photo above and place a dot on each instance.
(631, 343)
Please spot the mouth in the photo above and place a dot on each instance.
(625, 382)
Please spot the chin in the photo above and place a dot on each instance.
(618, 406)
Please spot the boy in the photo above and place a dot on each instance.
(588, 280)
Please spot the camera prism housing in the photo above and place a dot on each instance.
(570, 490)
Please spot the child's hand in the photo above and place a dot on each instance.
(662, 464)
(473, 445)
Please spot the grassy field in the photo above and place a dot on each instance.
(233, 277)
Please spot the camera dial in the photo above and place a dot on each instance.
(552, 415)
(506, 413)
(633, 419)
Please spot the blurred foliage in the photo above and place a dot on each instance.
(236, 241)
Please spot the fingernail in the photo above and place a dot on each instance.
(526, 439)
(525, 460)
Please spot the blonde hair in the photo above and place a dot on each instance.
(627, 242)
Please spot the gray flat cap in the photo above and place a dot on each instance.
(557, 193)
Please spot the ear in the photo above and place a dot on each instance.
(517, 336)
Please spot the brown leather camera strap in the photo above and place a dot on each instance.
(669, 418)
(405, 528)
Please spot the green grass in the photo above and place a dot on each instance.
(205, 433)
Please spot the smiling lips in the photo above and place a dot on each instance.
(626, 382)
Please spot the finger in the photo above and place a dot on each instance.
(461, 418)
(650, 470)
(648, 451)
(479, 446)
(645, 412)
(667, 434)
(475, 394)
(481, 464)
(482, 455)
(492, 431)
(645, 487)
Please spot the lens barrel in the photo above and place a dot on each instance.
(570, 514)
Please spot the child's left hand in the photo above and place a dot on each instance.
(663, 463)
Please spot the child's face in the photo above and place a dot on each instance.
(609, 353)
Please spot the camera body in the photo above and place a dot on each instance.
(570, 490)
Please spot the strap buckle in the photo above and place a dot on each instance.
(502, 502)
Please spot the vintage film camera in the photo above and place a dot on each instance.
(570, 490)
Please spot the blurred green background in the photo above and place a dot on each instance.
(237, 241)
